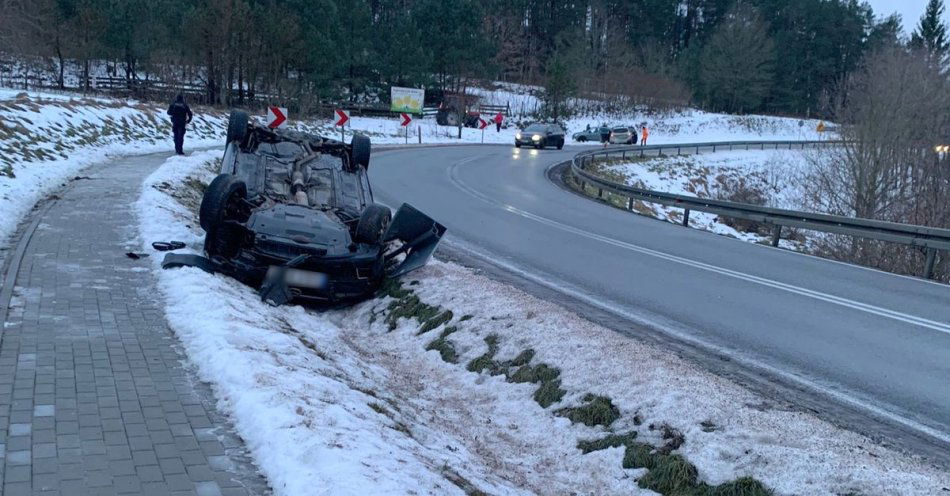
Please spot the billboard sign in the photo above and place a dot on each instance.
(408, 100)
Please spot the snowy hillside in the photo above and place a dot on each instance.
(451, 383)
(765, 177)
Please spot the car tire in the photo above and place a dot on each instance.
(237, 126)
(373, 223)
(517, 145)
(223, 241)
(361, 150)
(581, 139)
(452, 119)
(560, 144)
(217, 204)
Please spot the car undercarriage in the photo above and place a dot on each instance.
(293, 215)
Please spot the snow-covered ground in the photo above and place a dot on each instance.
(361, 401)
(47, 138)
(768, 177)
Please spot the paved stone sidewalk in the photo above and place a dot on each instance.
(95, 394)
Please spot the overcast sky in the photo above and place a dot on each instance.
(910, 11)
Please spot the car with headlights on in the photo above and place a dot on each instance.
(540, 135)
(623, 136)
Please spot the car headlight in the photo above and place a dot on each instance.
(517, 135)
(536, 137)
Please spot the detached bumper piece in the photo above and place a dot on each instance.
(419, 235)
(176, 260)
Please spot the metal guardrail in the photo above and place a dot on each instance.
(930, 238)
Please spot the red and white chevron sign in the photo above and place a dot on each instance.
(342, 117)
(276, 117)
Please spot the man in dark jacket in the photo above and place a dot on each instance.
(181, 115)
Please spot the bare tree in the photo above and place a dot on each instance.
(892, 113)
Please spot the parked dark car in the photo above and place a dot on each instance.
(293, 215)
(540, 135)
(595, 134)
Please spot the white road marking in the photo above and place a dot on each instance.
(837, 300)
(663, 325)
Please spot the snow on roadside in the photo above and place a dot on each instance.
(321, 414)
(337, 403)
(47, 139)
(773, 176)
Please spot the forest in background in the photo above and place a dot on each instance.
(741, 56)
(888, 93)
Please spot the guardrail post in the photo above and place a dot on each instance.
(600, 193)
(929, 264)
(623, 154)
(641, 151)
(686, 217)
(714, 148)
(629, 203)
(678, 152)
(697, 149)
(776, 234)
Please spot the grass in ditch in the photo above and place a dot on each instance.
(445, 347)
(406, 304)
(596, 410)
(669, 473)
(611, 441)
(518, 370)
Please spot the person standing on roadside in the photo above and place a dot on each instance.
(644, 135)
(181, 115)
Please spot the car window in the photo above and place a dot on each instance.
(535, 128)
(554, 129)
(621, 130)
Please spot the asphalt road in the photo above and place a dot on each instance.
(875, 342)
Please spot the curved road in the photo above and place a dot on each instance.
(864, 340)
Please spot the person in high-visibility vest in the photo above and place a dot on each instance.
(645, 135)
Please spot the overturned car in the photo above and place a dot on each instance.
(293, 214)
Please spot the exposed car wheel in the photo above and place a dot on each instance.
(221, 202)
(452, 119)
(517, 145)
(237, 126)
(581, 139)
(560, 144)
(373, 224)
(361, 150)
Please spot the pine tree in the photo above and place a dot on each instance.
(737, 66)
(931, 32)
